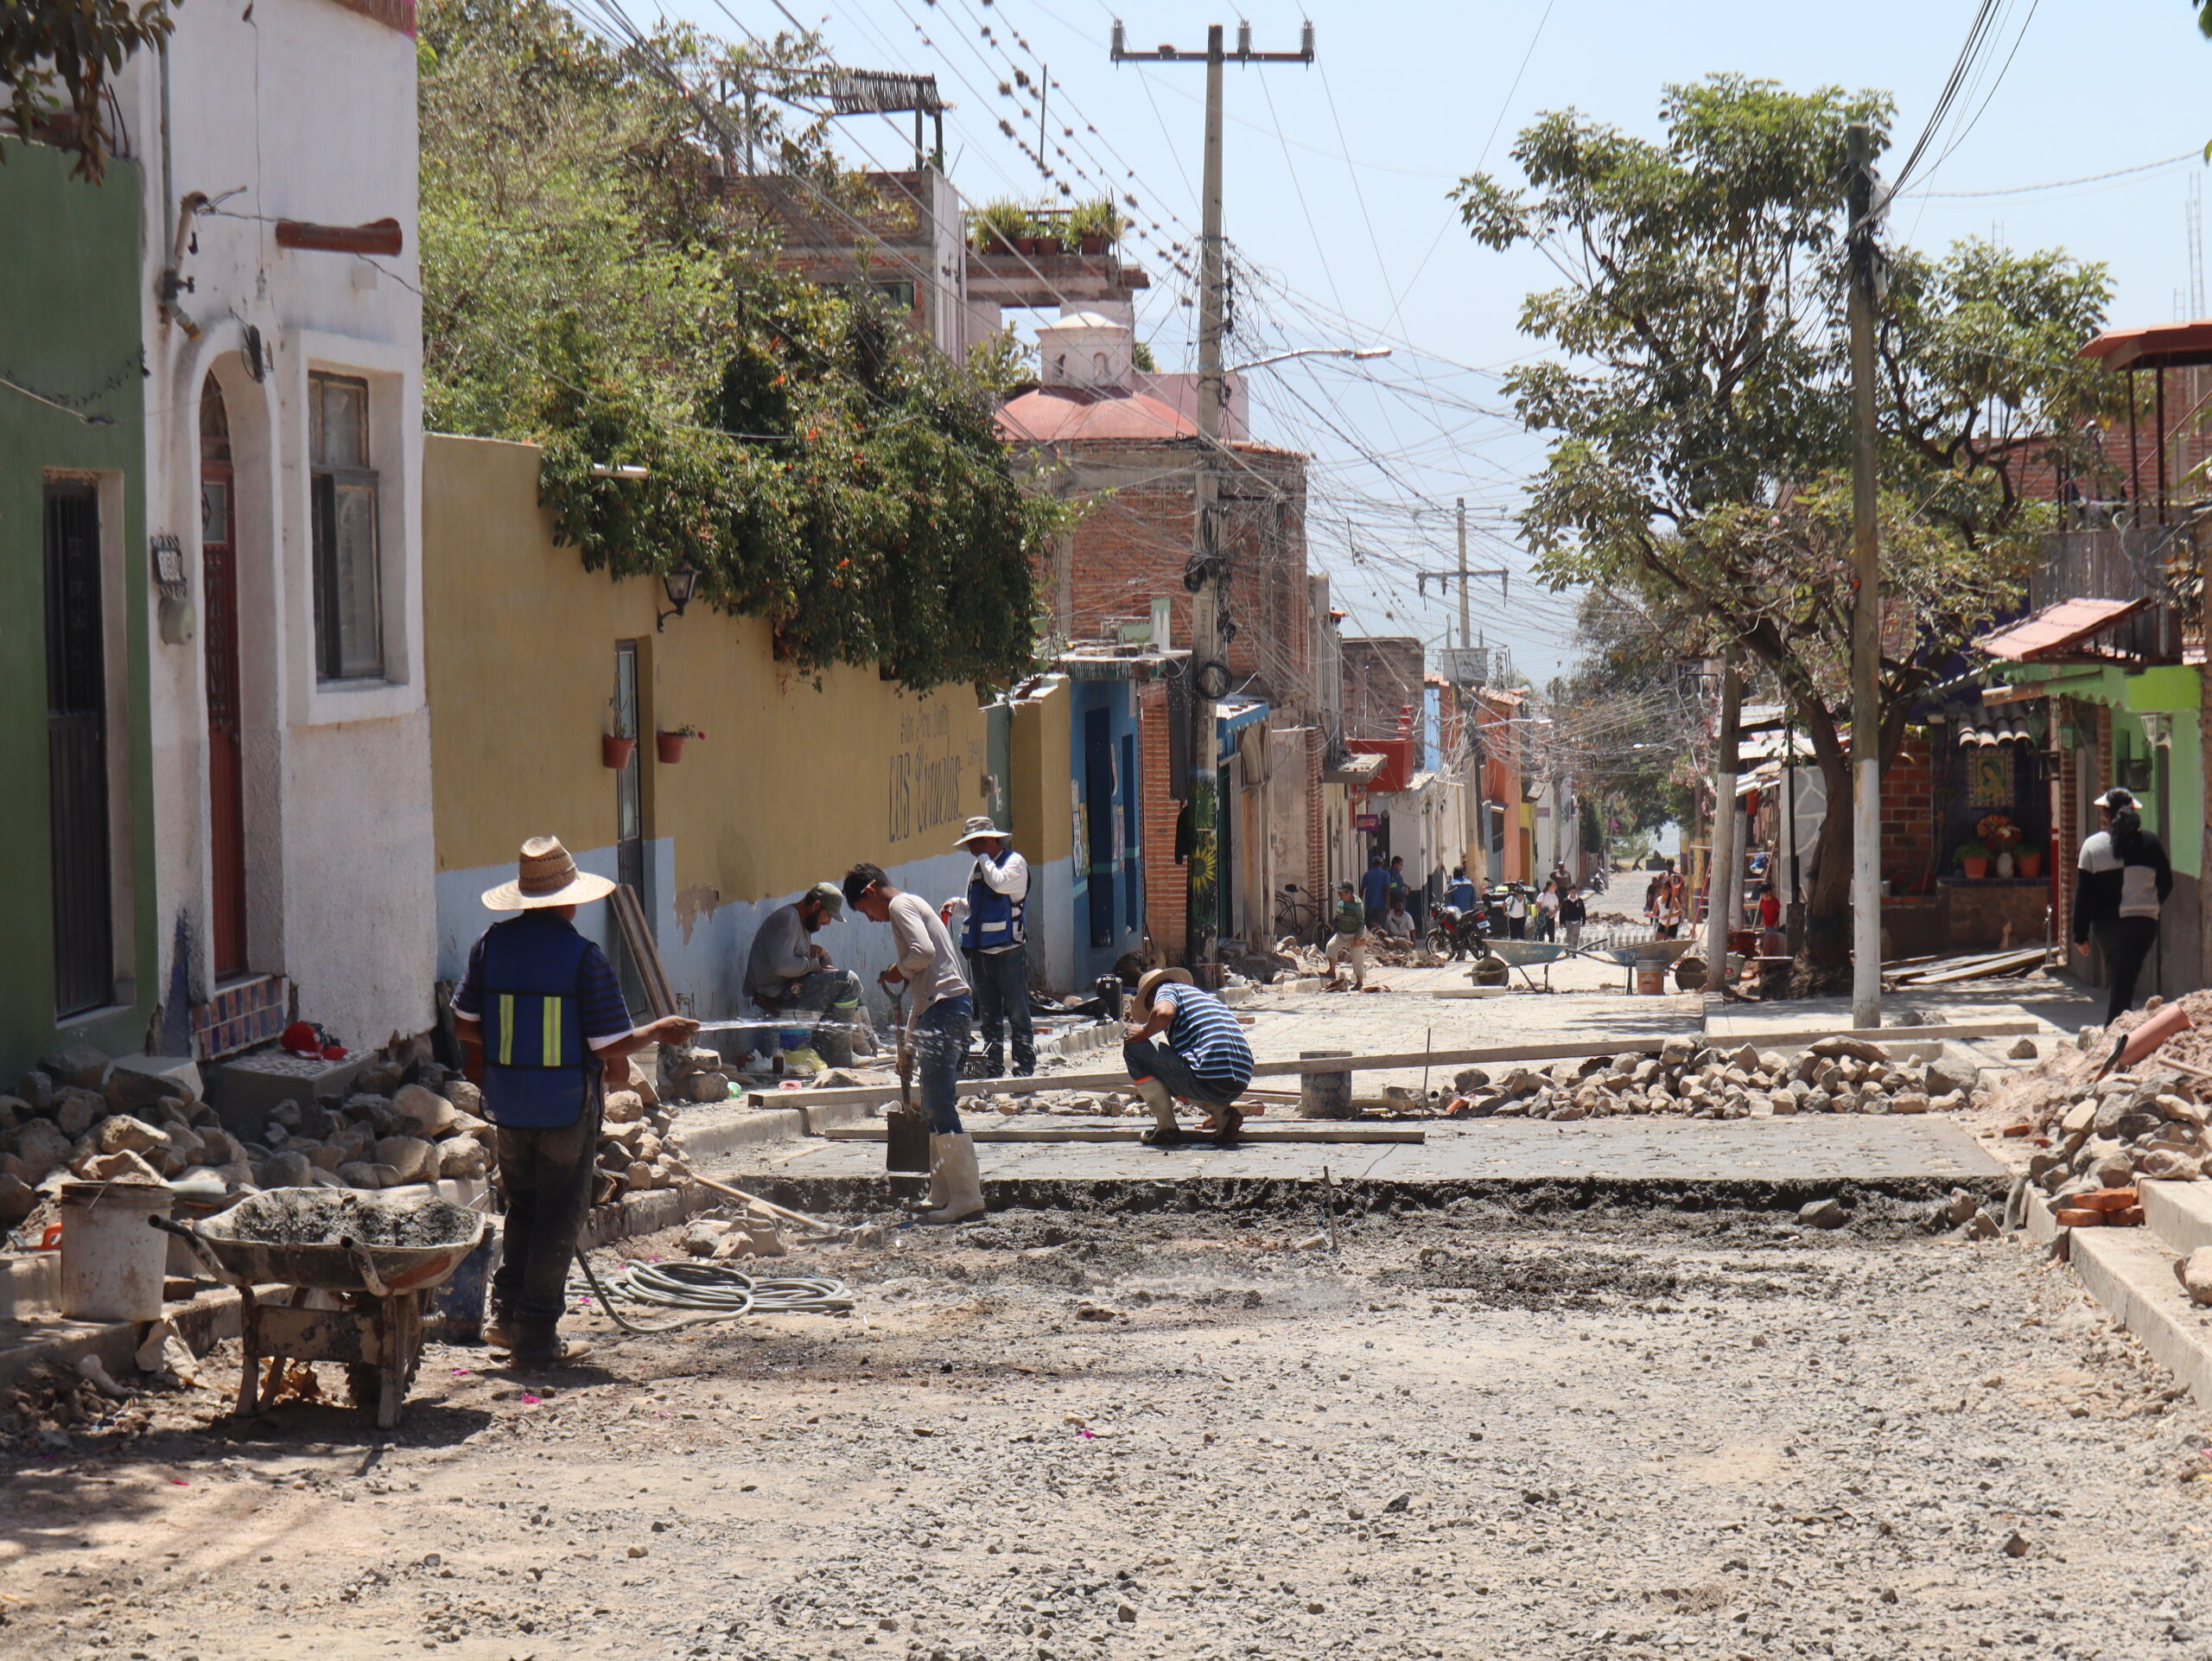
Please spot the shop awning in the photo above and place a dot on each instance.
(1355, 769)
(2056, 633)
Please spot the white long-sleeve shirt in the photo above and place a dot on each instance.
(1010, 877)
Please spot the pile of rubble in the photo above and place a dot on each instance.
(693, 1074)
(639, 1148)
(2096, 1134)
(1836, 1075)
(75, 1115)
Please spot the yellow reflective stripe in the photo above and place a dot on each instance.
(552, 1032)
(506, 1029)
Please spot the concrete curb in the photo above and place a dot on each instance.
(2130, 1271)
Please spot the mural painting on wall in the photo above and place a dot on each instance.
(1989, 777)
(925, 772)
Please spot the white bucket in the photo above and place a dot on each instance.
(112, 1261)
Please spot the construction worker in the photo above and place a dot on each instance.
(1349, 938)
(1461, 894)
(936, 1032)
(543, 1031)
(786, 973)
(1398, 922)
(1374, 888)
(992, 938)
(1204, 1060)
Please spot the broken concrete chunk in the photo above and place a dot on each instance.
(2195, 1273)
(2024, 1049)
(431, 1114)
(74, 1064)
(123, 1167)
(1823, 1213)
(414, 1158)
(1858, 1049)
(287, 1169)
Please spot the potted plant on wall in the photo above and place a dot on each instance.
(1999, 834)
(615, 751)
(669, 744)
(1973, 859)
(999, 226)
(2031, 862)
(1095, 226)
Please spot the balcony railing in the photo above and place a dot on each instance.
(2160, 562)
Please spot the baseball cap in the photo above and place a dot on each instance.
(831, 896)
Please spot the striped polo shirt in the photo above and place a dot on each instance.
(1207, 1036)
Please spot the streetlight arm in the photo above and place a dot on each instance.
(1361, 352)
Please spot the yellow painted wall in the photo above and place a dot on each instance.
(790, 785)
(1043, 763)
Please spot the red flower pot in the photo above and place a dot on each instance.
(616, 752)
(668, 747)
(1094, 242)
(1976, 870)
(2029, 864)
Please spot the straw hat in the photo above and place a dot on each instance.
(1149, 982)
(977, 829)
(546, 876)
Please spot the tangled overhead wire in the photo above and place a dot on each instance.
(720, 1292)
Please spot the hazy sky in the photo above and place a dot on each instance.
(1337, 178)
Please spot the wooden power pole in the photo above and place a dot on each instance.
(1865, 602)
(1207, 573)
(1721, 884)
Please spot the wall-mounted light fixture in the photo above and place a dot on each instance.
(681, 584)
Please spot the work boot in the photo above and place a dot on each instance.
(542, 1345)
(955, 1157)
(1165, 1132)
(936, 1194)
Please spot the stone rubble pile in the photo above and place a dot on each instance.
(2146, 1124)
(73, 1117)
(693, 1074)
(1835, 1075)
(639, 1148)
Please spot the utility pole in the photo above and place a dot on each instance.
(1866, 604)
(1466, 638)
(1206, 576)
(1721, 886)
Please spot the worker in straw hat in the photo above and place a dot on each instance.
(545, 1029)
(1184, 1043)
(990, 918)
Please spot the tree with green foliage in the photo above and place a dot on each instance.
(592, 285)
(56, 59)
(1631, 716)
(1698, 415)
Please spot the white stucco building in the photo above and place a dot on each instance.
(284, 350)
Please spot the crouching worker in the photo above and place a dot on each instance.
(937, 1020)
(1202, 1060)
(544, 1030)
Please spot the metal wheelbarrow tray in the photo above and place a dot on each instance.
(1522, 954)
(377, 1260)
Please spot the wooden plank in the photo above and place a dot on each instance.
(1641, 1044)
(1990, 969)
(1134, 1132)
(630, 917)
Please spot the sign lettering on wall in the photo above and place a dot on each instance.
(925, 774)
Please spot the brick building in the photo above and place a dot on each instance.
(1117, 579)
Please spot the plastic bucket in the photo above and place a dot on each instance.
(793, 1038)
(1652, 983)
(456, 1311)
(112, 1261)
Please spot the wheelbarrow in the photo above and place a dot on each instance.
(342, 1295)
(1521, 954)
(1641, 954)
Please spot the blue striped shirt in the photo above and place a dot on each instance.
(1207, 1036)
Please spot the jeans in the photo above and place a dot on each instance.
(547, 1176)
(2127, 942)
(939, 1039)
(1150, 1058)
(1001, 983)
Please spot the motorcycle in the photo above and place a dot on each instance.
(1456, 933)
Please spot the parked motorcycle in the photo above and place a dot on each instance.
(1456, 933)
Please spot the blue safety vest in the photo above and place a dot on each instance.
(994, 918)
(539, 1073)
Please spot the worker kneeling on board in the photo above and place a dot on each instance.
(936, 1032)
(786, 973)
(544, 1030)
(1184, 1043)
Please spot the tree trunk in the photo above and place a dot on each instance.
(1825, 964)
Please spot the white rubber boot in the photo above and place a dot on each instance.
(1166, 1132)
(936, 1194)
(953, 1159)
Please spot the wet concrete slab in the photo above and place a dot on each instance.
(1878, 1149)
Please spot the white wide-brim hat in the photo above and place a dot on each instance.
(547, 875)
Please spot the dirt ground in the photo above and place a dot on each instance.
(1164, 1435)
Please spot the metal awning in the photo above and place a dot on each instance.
(2058, 634)
(2161, 346)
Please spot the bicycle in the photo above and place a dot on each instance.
(1298, 918)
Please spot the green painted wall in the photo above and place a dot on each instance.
(2172, 689)
(69, 331)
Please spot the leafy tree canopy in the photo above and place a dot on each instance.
(1699, 448)
(590, 284)
(56, 57)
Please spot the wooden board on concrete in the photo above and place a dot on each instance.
(1131, 1133)
(1642, 1043)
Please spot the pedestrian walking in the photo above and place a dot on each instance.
(1183, 1043)
(2125, 879)
(1548, 904)
(1573, 912)
(1516, 913)
(543, 1032)
(936, 1032)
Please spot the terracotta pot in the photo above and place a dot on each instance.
(1093, 242)
(668, 747)
(616, 752)
(995, 243)
(2030, 864)
(1976, 870)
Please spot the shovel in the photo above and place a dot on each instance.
(907, 1131)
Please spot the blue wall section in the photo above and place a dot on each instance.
(1107, 910)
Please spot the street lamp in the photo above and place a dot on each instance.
(680, 584)
(1362, 351)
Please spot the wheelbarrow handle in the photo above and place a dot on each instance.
(190, 1236)
(365, 1265)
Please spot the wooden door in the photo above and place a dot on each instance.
(76, 729)
(218, 588)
